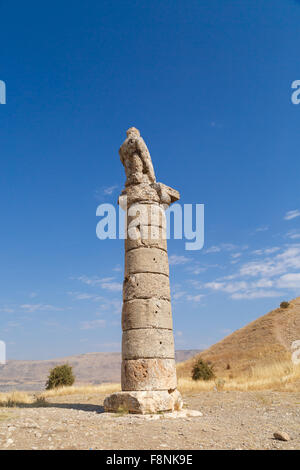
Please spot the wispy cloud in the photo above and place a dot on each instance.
(290, 215)
(178, 295)
(178, 259)
(236, 255)
(93, 281)
(256, 294)
(92, 324)
(195, 298)
(106, 191)
(290, 281)
(289, 258)
(107, 283)
(112, 305)
(213, 249)
(264, 278)
(293, 235)
(7, 310)
(110, 189)
(40, 307)
(224, 247)
(264, 228)
(117, 268)
(266, 251)
(112, 286)
(85, 296)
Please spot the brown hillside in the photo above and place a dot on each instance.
(264, 341)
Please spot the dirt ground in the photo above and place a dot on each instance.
(231, 420)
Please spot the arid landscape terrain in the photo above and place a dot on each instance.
(256, 393)
(92, 368)
(231, 420)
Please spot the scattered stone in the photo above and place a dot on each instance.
(281, 436)
(8, 443)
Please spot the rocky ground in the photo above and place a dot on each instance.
(231, 420)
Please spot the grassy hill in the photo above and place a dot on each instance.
(260, 344)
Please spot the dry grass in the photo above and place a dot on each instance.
(282, 376)
(262, 343)
(16, 398)
(81, 390)
(277, 376)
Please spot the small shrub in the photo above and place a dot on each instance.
(228, 367)
(284, 304)
(60, 376)
(202, 370)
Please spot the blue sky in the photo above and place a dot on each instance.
(209, 85)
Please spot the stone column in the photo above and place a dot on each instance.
(148, 375)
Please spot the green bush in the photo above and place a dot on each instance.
(284, 305)
(60, 376)
(202, 370)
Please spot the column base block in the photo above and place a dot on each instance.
(144, 402)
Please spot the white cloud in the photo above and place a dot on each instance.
(39, 307)
(290, 215)
(266, 251)
(178, 259)
(91, 325)
(229, 287)
(262, 229)
(93, 281)
(263, 278)
(117, 268)
(213, 249)
(256, 294)
(289, 281)
(269, 251)
(293, 235)
(194, 298)
(85, 296)
(178, 295)
(107, 191)
(110, 189)
(112, 286)
(279, 264)
(262, 283)
(197, 271)
(107, 283)
(112, 305)
(224, 247)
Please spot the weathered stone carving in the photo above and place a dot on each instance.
(148, 375)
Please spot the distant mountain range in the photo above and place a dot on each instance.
(92, 368)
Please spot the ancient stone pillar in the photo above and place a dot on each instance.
(148, 375)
